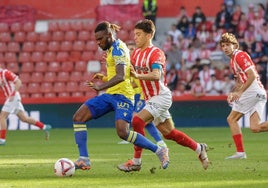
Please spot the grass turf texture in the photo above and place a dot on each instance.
(27, 160)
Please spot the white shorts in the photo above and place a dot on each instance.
(158, 107)
(252, 100)
(13, 107)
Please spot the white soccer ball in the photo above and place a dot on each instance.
(64, 167)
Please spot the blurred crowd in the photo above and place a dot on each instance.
(195, 63)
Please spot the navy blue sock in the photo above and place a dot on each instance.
(153, 131)
(141, 141)
(80, 134)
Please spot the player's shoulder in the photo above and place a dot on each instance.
(119, 48)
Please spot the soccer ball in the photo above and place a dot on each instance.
(64, 167)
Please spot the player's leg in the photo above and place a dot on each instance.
(142, 142)
(255, 118)
(153, 131)
(169, 132)
(25, 118)
(3, 128)
(236, 132)
(81, 116)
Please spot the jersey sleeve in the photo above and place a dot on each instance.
(243, 60)
(158, 57)
(119, 56)
(10, 76)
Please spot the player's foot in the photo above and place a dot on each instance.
(129, 166)
(123, 142)
(238, 155)
(47, 129)
(2, 142)
(83, 164)
(162, 154)
(161, 144)
(203, 156)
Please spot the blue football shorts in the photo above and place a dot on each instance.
(105, 103)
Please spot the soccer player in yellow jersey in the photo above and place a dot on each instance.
(118, 97)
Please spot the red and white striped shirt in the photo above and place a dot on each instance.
(143, 61)
(240, 63)
(7, 82)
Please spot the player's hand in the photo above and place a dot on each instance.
(92, 85)
(133, 72)
(98, 76)
(233, 97)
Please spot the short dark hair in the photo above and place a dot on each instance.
(146, 25)
(105, 26)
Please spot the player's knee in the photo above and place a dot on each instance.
(122, 133)
(255, 129)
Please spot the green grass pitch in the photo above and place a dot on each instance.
(27, 160)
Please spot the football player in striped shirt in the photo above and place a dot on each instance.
(248, 95)
(118, 97)
(10, 84)
(149, 66)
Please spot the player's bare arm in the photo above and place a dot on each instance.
(119, 77)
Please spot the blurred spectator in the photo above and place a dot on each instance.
(204, 52)
(198, 17)
(257, 49)
(249, 36)
(223, 18)
(261, 10)
(210, 42)
(203, 33)
(230, 5)
(257, 21)
(264, 36)
(205, 74)
(190, 32)
(183, 25)
(263, 70)
(213, 86)
(250, 12)
(243, 24)
(174, 57)
(172, 78)
(218, 58)
(167, 44)
(235, 17)
(227, 84)
(182, 12)
(175, 33)
(180, 90)
(197, 90)
(217, 33)
(189, 56)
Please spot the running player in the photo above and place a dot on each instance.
(150, 68)
(248, 96)
(10, 84)
(118, 97)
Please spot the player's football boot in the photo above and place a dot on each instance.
(83, 164)
(162, 154)
(129, 166)
(238, 155)
(2, 142)
(161, 144)
(203, 156)
(47, 129)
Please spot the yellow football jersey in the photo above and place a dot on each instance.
(137, 88)
(119, 54)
